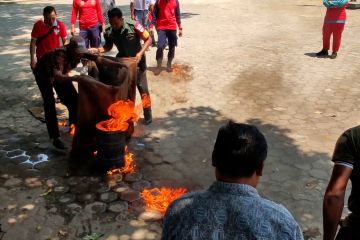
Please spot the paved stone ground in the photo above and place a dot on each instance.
(252, 62)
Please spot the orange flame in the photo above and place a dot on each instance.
(122, 113)
(129, 164)
(146, 101)
(62, 123)
(159, 199)
(72, 130)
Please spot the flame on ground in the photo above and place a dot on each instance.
(146, 101)
(129, 164)
(72, 130)
(122, 113)
(160, 198)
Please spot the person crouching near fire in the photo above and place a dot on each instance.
(52, 70)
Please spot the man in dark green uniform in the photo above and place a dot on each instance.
(346, 160)
(126, 35)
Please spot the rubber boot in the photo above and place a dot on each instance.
(147, 116)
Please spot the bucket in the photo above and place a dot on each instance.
(110, 149)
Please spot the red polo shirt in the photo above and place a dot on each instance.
(89, 12)
(52, 40)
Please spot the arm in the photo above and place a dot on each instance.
(63, 41)
(58, 69)
(132, 10)
(178, 19)
(155, 13)
(145, 36)
(32, 53)
(74, 12)
(63, 33)
(99, 15)
(106, 48)
(58, 76)
(334, 200)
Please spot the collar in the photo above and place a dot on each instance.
(234, 189)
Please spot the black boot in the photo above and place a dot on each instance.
(158, 67)
(322, 53)
(333, 55)
(147, 116)
(169, 66)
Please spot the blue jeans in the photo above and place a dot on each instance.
(91, 36)
(142, 17)
(164, 37)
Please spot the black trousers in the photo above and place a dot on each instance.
(68, 96)
(164, 37)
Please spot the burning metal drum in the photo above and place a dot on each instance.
(110, 149)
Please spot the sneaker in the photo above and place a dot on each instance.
(147, 116)
(333, 55)
(322, 53)
(58, 143)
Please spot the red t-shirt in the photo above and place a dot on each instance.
(89, 12)
(52, 40)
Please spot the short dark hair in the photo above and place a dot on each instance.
(115, 12)
(48, 10)
(240, 150)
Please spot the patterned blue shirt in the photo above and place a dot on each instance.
(228, 211)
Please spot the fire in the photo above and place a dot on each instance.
(72, 130)
(62, 123)
(160, 198)
(146, 101)
(129, 164)
(122, 113)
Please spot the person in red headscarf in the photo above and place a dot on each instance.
(334, 24)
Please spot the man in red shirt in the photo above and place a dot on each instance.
(45, 35)
(334, 24)
(166, 16)
(90, 15)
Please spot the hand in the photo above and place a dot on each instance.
(133, 17)
(72, 30)
(32, 65)
(138, 57)
(180, 33)
(94, 50)
(103, 28)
